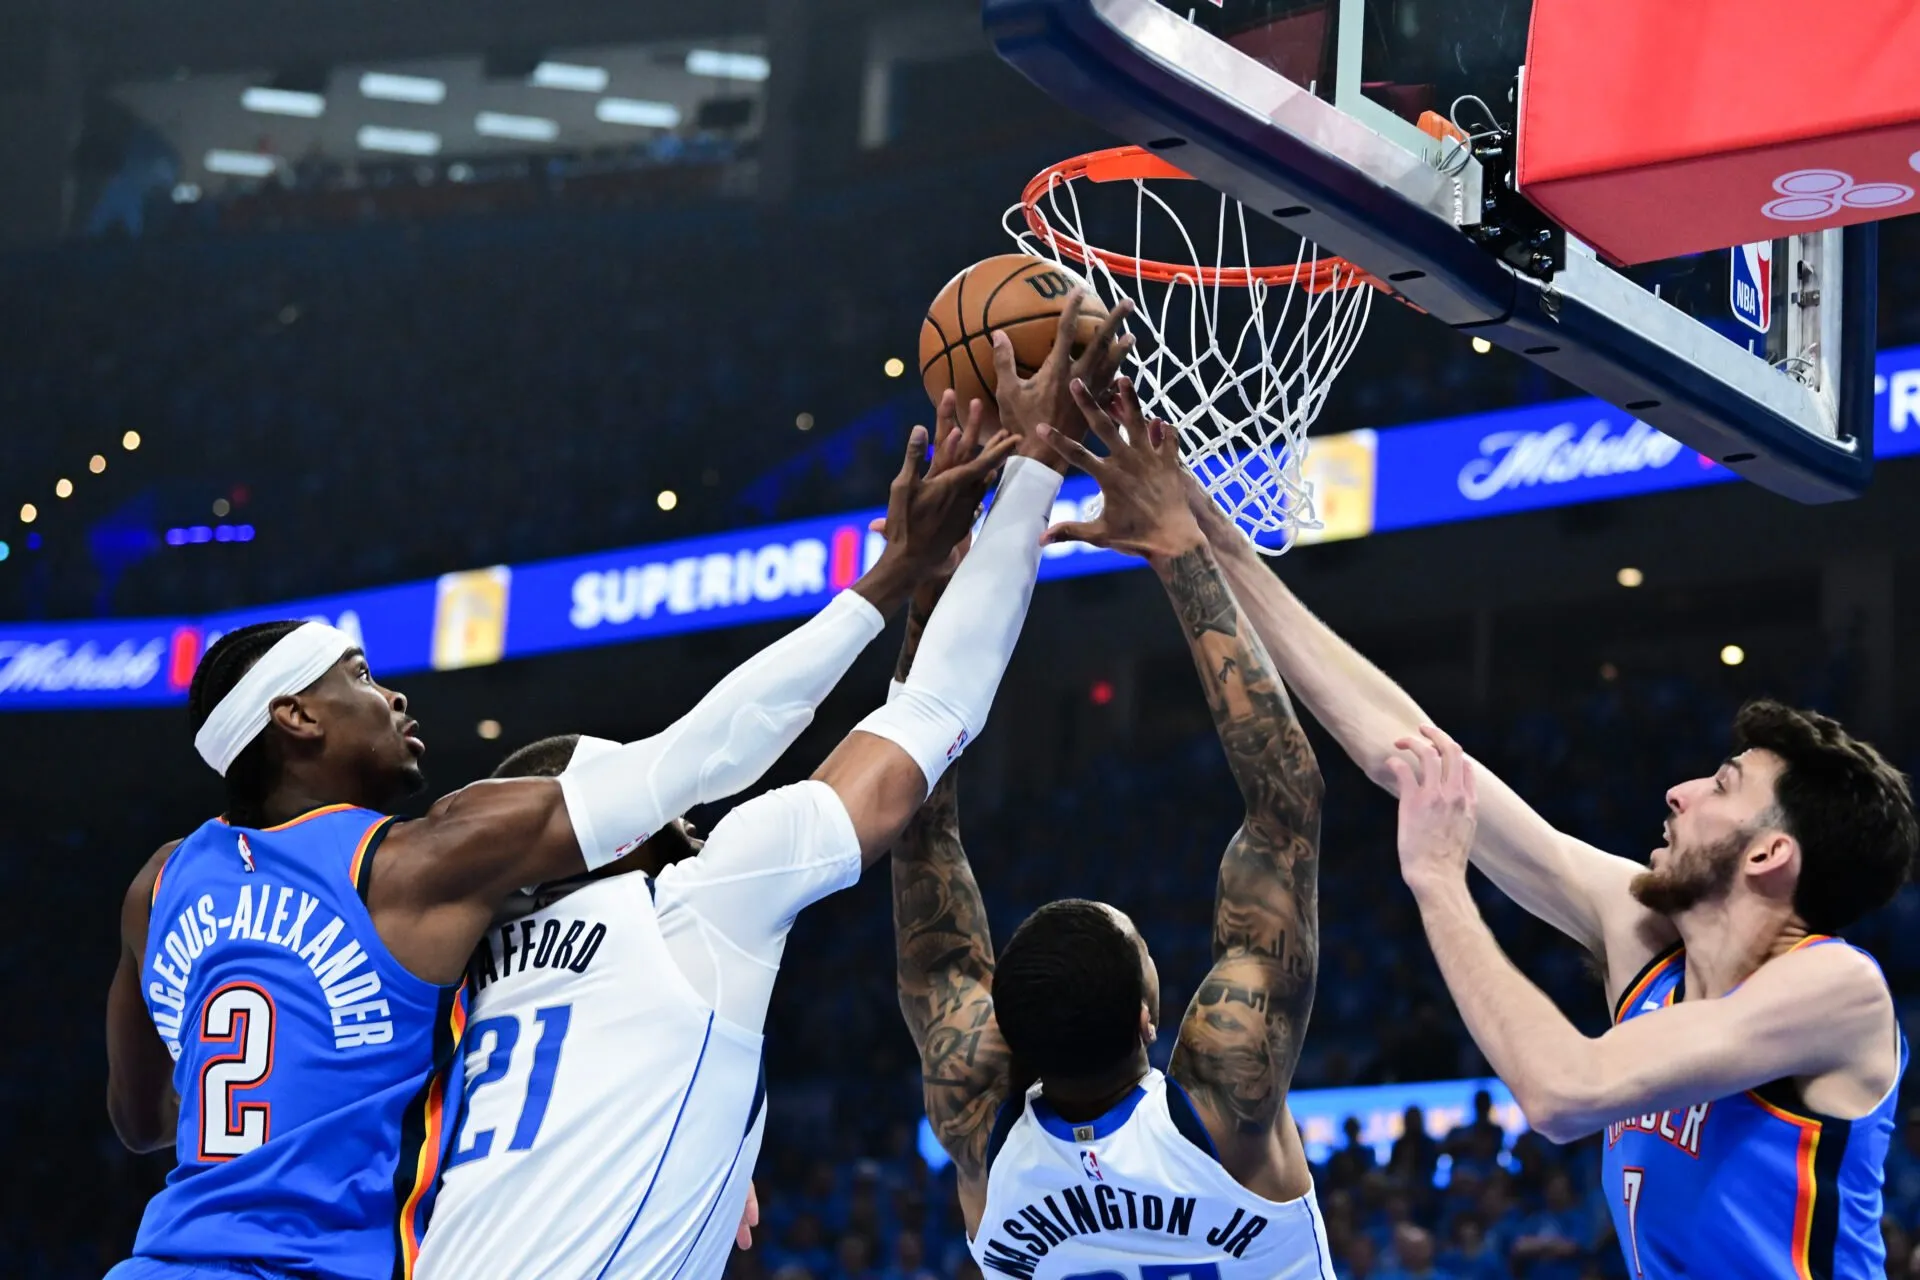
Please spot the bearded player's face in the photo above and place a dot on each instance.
(1711, 823)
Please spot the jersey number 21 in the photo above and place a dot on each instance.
(496, 1038)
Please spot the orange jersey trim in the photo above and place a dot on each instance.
(308, 816)
(360, 850)
(427, 1165)
(1638, 989)
(1808, 1191)
(157, 877)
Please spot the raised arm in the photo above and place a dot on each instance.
(944, 967)
(1684, 1055)
(1240, 1038)
(1576, 888)
(437, 882)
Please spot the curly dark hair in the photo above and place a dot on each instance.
(254, 770)
(1850, 811)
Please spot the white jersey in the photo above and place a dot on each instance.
(612, 1109)
(1137, 1194)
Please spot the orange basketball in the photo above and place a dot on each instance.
(1022, 295)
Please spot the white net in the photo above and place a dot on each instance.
(1238, 357)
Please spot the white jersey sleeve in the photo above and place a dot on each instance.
(725, 913)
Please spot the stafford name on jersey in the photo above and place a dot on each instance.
(1079, 1211)
(520, 945)
(264, 912)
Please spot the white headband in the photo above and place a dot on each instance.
(296, 660)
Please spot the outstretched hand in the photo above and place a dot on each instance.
(1142, 484)
(1024, 404)
(950, 438)
(930, 513)
(1438, 809)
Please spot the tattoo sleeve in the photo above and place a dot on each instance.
(1240, 1038)
(945, 972)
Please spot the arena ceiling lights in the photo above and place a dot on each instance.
(570, 76)
(633, 111)
(389, 87)
(241, 164)
(728, 66)
(500, 124)
(405, 142)
(283, 102)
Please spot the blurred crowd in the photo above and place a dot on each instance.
(846, 1189)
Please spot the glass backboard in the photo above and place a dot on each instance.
(1310, 111)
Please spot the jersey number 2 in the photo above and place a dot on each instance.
(499, 1036)
(239, 1014)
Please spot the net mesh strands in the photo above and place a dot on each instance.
(1236, 355)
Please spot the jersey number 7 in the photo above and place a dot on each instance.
(496, 1038)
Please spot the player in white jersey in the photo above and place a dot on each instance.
(1075, 1157)
(613, 1102)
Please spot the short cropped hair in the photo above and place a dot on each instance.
(1850, 811)
(253, 772)
(1067, 991)
(547, 758)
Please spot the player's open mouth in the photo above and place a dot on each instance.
(410, 733)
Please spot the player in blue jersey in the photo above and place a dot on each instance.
(1748, 1088)
(286, 1006)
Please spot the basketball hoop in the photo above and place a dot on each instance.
(1241, 407)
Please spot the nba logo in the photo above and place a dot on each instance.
(246, 852)
(1753, 285)
(1091, 1164)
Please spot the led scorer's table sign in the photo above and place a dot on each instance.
(1366, 482)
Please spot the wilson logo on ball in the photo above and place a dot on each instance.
(1050, 284)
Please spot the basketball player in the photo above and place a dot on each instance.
(1747, 1087)
(614, 1102)
(1098, 1165)
(286, 1019)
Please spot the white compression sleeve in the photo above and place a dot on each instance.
(619, 798)
(969, 639)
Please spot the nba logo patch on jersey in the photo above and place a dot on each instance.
(959, 745)
(246, 852)
(1753, 285)
(1091, 1163)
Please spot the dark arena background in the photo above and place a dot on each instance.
(320, 310)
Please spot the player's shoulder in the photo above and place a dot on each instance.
(137, 904)
(1823, 969)
(146, 881)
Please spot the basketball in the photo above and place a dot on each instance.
(1020, 294)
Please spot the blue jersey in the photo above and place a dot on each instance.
(1755, 1185)
(312, 1069)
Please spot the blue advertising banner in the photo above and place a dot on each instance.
(1365, 482)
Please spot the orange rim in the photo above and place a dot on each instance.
(1128, 164)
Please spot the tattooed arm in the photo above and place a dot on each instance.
(1240, 1039)
(945, 971)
